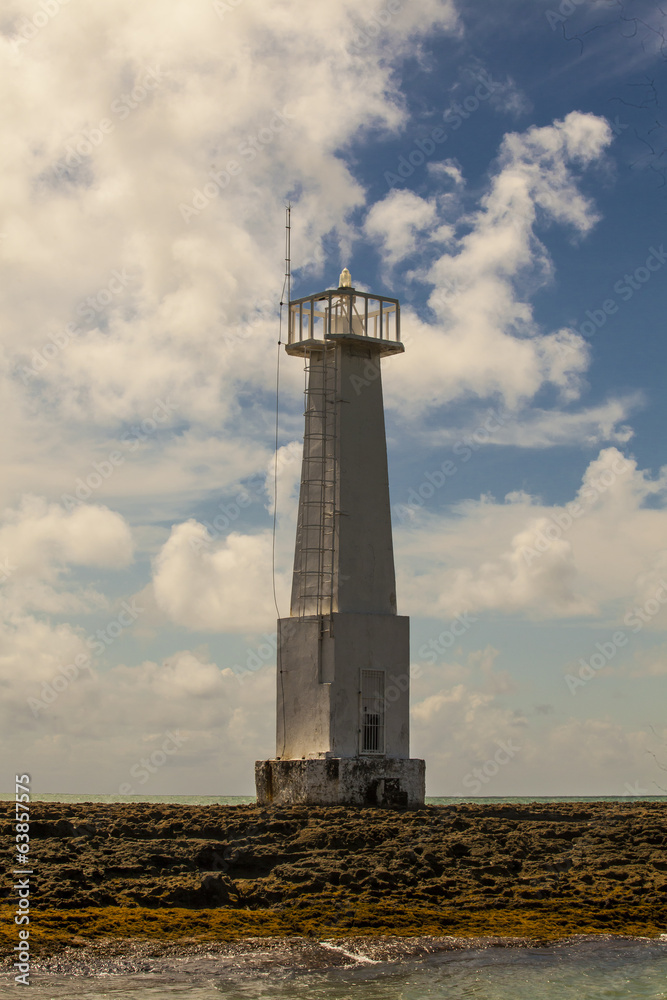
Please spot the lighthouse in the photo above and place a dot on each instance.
(343, 659)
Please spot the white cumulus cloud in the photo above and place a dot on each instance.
(215, 586)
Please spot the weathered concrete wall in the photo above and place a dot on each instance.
(370, 642)
(365, 580)
(303, 717)
(344, 551)
(341, 781)
(319, 683)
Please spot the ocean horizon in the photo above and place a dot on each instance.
(237, 800)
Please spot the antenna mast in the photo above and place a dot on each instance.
(288, 251)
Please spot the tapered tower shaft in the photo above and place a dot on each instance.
(344, 559)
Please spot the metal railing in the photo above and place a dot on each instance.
(344, 312)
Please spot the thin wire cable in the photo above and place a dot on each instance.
(286, 284)
(275, 468)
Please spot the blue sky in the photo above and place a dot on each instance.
(500, 168)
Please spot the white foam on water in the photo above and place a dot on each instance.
(349, 954)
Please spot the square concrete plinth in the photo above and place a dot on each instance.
(393, 782)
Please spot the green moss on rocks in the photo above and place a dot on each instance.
(223, 872)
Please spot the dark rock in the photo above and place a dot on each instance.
(473, 858)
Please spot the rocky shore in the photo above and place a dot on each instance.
(105, 872)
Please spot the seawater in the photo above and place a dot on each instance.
(236, 800)
(591, 970)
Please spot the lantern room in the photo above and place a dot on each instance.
(344, 313)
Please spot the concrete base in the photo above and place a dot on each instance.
(392, 782)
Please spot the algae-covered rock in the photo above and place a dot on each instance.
(583, 866)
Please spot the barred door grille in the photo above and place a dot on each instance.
(372, 711)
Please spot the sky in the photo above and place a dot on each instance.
(501, 168)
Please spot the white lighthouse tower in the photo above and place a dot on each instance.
(343, 654)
